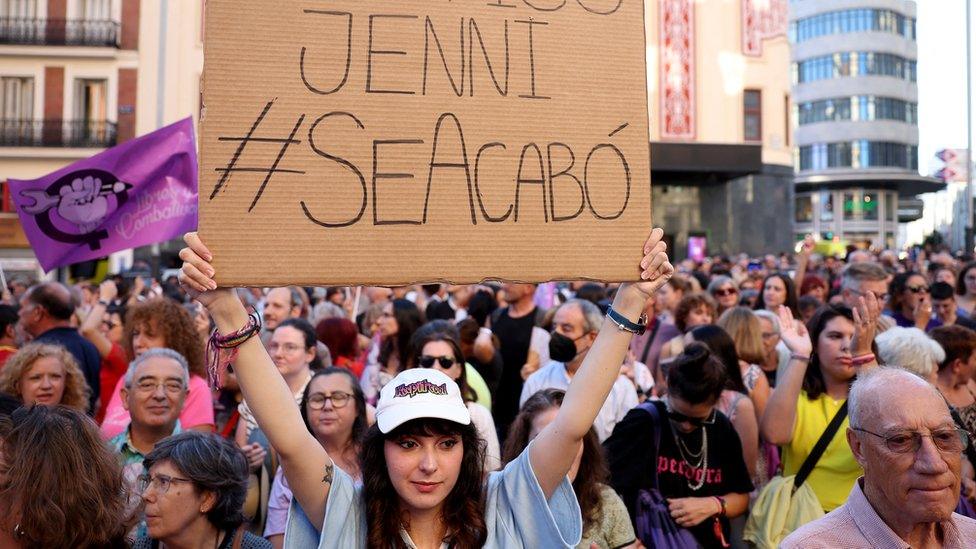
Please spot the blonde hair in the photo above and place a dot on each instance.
(743, 326)
(76, 390)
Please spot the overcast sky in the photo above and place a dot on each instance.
(941, 78)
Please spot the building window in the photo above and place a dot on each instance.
(18, 9)
(860, 153)
(854, 63)
(859, 108)
(870, 203)
(853, 20)
(17, 111)
(787, 117)
(804, 209)
(91, 122)
(827, 206)
(752, 115)
(16, 98)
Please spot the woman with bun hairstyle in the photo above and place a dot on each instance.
(422, 462)
(699, 465)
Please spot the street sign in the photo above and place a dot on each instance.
(950, 175)
(949, 155)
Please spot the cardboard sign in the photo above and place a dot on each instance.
(386, 143)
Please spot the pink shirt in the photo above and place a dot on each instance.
(197, 409)
(856, 524)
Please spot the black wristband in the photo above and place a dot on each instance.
(625, 324)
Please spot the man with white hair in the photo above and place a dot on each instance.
(575, 326)
(154, 390)
(910, 349)
(902, 434)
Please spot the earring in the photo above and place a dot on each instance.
(18, 531)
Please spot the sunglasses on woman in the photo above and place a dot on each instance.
(678, 417)
(429, 361)
(725, 292)
(918, 289)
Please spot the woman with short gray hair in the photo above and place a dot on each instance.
(194, 488)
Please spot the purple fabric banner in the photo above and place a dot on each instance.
(140, 192)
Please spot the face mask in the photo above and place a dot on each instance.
(562, 348)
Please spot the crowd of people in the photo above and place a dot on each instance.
(794, 400)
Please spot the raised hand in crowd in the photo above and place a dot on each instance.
(304, 460)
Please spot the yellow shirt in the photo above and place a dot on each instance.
(837, 471)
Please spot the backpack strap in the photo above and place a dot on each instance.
(655, 413)
(820, 447)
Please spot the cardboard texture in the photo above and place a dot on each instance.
(387, 143)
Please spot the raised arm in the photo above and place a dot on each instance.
(553, 451)
(802, 261)
(306, 464)
(107, 291)
(780, 416)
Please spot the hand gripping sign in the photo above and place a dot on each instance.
(413, 141)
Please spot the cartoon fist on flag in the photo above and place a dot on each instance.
(138, 193)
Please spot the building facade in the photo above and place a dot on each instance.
(719, 89)
(78, 76)
(856, 115)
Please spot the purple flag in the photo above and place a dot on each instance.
(140, 192)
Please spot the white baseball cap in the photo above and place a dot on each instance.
(420, 393)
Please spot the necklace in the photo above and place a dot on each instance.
(700, 458)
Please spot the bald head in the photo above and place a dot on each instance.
(888, 395)
(53, 297)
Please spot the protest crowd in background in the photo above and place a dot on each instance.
(742, 367)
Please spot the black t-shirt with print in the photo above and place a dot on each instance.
(630, 454)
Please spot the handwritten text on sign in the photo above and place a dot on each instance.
(341, 123)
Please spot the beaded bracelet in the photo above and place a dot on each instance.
(222, 350)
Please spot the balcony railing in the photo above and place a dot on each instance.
(59, 32)
(57, 133)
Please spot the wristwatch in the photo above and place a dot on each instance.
(626, 325)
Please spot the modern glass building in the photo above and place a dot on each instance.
(855, 116)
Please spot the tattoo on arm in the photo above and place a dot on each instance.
(327, 479)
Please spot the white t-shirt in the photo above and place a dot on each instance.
(517, 513)
(622, 397)
(485, 425)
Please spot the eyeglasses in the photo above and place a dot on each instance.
(904, 442)
(725, 292)
(160, 482)
(918, 289)
(338, 398)
(109, 324)
(171, 387)
(286, 347)
(678, 417)
(428, 361)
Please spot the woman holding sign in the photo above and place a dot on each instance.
(422, 462)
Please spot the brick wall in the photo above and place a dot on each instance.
(129, 39)
(53, 103)
(128, 81)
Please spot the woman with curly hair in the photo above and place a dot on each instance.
(40, 505)
(605, 519)
(422, 463)
(43, 373)
(162, 322)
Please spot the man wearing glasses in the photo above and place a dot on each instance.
(154, 390)
(903, 436)
(863, 278)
